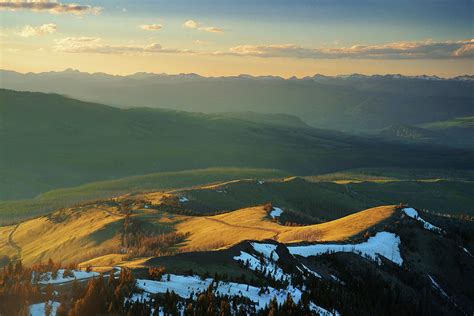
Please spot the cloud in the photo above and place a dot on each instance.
(191, 24)
(199, 42)
(211, 29)
(398, 50)
(49, 6)
(151, 27)
(94, 45)
(12, 50)
(44, 29)
(466, 51)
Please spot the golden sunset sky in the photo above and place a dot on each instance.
(219, 38)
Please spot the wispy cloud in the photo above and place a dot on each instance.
(49, 6)
(211, 29)
(199, 42)
(44, 29)
(151, 27)
(400, 50)
(95, 45)
(428, 49)
(191, 24)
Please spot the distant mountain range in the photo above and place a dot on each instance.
(147, 75)
(346, 103)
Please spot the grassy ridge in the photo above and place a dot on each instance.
(249, 224)
(318, 199)
(392, 174)
(97, 230)
(312, 202)
(12, 211)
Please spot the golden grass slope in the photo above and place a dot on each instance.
(66, 239)
(225, 230)
(6, 250)
(93, 233)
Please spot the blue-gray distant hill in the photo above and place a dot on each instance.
(48, 141)
(346, 103)
(458, 132)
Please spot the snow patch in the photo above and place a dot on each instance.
(383, 244)
(321, 311)
(267, 250)
(436, 286)
(335, 278)
(262, 265)
(312, 272)
(39, 309)
(467, 251)
(276, 212)
(185, 286)
(46, 278)
(411, 212)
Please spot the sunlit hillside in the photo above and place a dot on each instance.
(83, 233)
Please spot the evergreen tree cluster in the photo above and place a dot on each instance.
(139, 242)
(102, 296)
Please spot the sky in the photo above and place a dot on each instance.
(230, 37)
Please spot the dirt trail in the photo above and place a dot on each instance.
(109, 212)
(276, 232)
(13, 244)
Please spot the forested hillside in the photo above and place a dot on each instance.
(50, 141)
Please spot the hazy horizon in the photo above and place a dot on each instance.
(340, 75)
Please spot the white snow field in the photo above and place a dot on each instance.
(276, 212)
(256, 265)
(383, 244)
(39, 309)
(321, 311)
(184, 286)
(411, 212)
(267, 250)
(46, 278)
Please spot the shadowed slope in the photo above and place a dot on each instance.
(49, 141)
